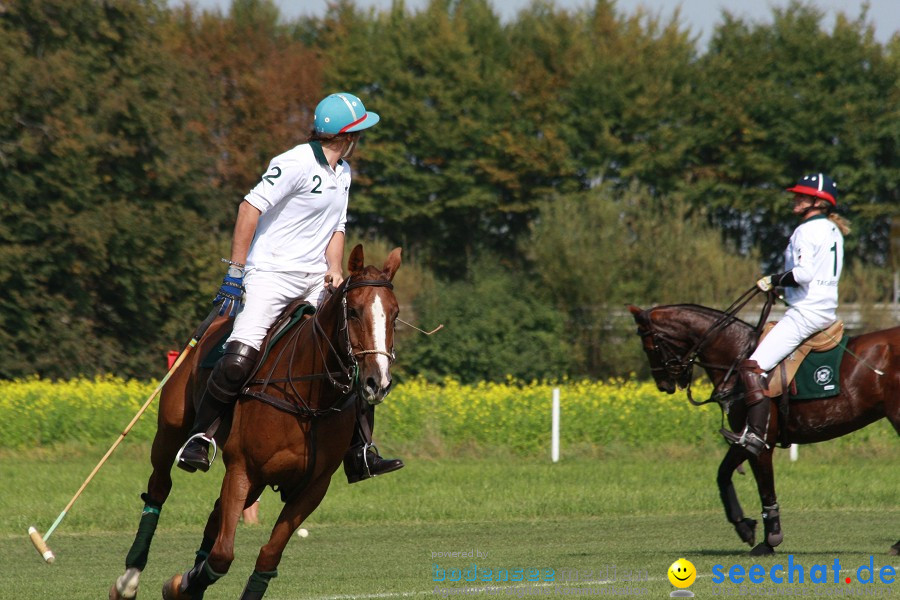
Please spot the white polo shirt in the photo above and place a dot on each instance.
(302, 201)
(815, 255)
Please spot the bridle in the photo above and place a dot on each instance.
(345, 379)
(678, 363)
(352, 285)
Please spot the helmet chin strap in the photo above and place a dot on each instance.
(350, 148)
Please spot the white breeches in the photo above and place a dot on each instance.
(267, 294)
(794, 327)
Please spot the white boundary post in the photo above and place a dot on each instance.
(793, 451)
(554, 433)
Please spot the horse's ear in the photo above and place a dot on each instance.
(392, 263)
(357, 261)
(635, 312)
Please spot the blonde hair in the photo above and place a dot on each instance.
(839, 221)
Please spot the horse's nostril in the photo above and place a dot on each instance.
(372, 384)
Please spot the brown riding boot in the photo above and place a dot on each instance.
(753, 437)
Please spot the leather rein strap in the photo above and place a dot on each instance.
(676, 365)
(346, 358)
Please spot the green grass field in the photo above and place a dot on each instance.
(595, 518)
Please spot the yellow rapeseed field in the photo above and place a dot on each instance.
(513, 415)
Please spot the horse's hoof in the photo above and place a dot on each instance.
(114, 593)
(762, 549)
(746, 529)
(126, 586)
(171, 589)
(895, 550)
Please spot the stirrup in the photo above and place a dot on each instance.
(367, 471)
(747, 439)
(202, 436)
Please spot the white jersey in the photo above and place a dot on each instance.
(303, 202)
(815, 255)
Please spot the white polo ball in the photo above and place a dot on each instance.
(302, 532)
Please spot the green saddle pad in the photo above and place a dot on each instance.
(218, 351)
(819, 374)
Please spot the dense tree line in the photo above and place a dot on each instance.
(538, 173)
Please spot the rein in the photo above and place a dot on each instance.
(679, 366)
(345, 380)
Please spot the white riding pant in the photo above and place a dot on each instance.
(794, 327)
(267, 294)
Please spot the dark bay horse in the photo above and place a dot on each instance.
(289, 430)
(678, 336)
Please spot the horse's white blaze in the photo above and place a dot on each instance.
(379, 334)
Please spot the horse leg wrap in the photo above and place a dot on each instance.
(772, 523)
(257, 585)
(195, 581)
(205, 548)
(140, 548)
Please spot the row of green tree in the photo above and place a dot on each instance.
(539, 173)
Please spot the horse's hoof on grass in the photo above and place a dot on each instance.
(171, 590)
(746, 530)
(895, 550)
(762, 549)
(114, 593)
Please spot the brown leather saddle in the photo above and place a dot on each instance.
(827, 339)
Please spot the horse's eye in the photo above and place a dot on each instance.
(352, 313)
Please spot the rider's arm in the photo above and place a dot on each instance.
(244, 230)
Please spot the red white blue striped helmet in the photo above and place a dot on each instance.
(343, 113)
(817, 185)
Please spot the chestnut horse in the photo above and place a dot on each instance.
(678, 336)
(290, 429)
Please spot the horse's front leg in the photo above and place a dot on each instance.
(765, 484)
(224, 517)
(292, 515)
(746, 528)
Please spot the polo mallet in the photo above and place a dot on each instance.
(40, 542)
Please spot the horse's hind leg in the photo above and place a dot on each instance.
(158, 488)
(292, 515)
(765, 484)
(746, 528)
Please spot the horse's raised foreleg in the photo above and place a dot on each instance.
(746, 528)
(292, 515)
(765, 484)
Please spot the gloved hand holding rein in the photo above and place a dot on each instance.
(785, 279)
(231, 292)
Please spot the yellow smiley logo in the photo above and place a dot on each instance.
(682, 573)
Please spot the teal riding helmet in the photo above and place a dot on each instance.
(343, 113)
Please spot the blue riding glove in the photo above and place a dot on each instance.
(231, 293)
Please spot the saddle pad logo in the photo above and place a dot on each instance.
(823, 375)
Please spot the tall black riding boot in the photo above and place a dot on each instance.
(222, 390)
(362, 460)
(753, 437)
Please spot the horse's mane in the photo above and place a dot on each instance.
(712, 313)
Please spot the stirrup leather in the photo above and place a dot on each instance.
(202, 436)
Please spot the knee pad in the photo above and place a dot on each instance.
(232, 371)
